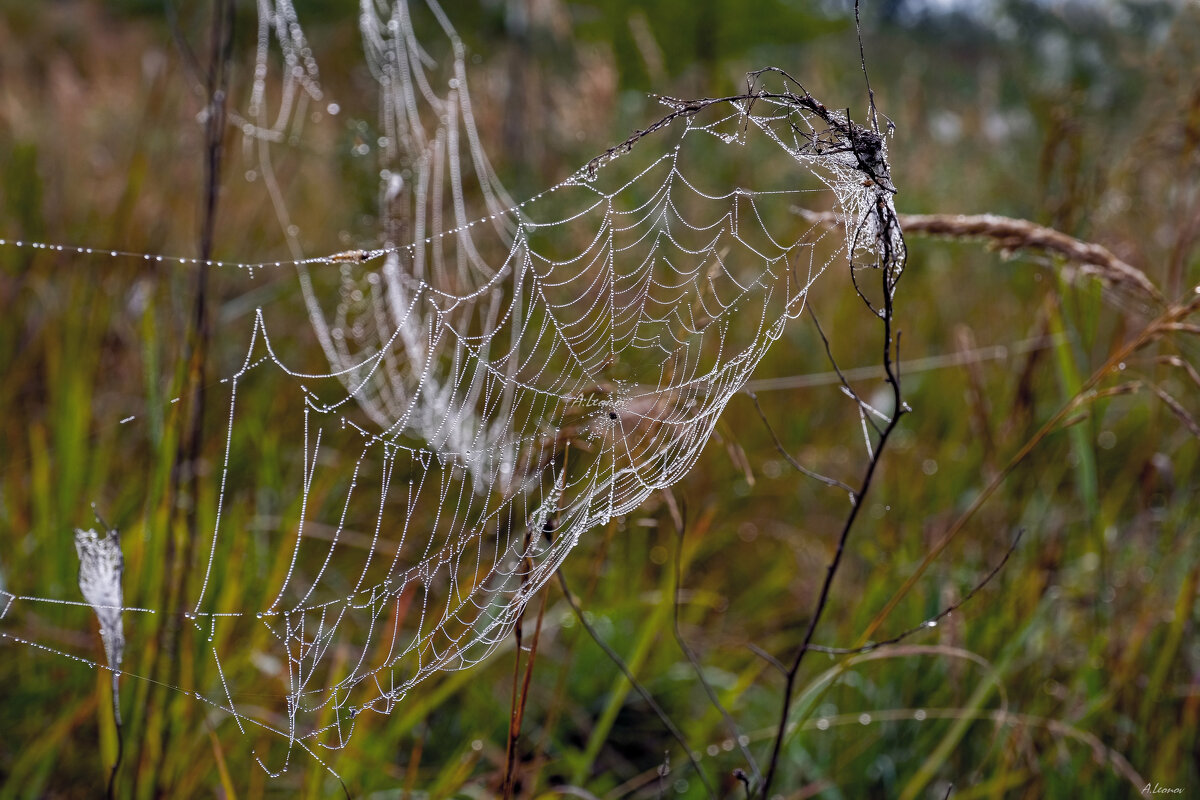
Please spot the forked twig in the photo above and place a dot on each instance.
(890, 242)
(932, 621)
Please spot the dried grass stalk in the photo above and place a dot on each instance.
(1010, 234)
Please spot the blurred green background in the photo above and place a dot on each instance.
(1074, 673)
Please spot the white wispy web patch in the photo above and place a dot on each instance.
(101, 566)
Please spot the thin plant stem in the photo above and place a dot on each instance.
(889, 262)
(635, 683)
(695, 662)
(185, 478)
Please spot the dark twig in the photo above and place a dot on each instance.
(767, 657)
(862, 60)
(735, 733)
(823, 600)
(514, 726)
(745, 780)
(834, 482)
(862, 405)
(635, 683)
(841, 134)
(890, 244)
(185, 473)
(99, 519)
(932, 621)
(191, 63)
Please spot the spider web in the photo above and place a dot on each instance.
(503, 377)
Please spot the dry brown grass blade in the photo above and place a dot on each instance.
(1010, 234)
(1178, 410)
(1186, 366)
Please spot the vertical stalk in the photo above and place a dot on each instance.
(183, 493)
(885, 220)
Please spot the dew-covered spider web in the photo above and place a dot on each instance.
(503, 376)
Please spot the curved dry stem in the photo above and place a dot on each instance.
(1011, 234)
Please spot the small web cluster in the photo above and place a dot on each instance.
(504, 377)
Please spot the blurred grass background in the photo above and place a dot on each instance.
(1077, 664)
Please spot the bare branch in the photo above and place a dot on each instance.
(834, 482)
(838, 370)
(890, 243)
(934, 620)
